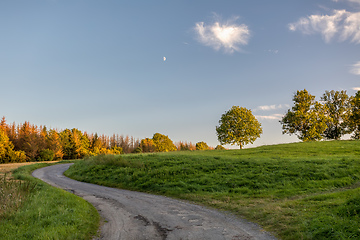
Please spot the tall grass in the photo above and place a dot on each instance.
(13, 194)
(298, 191)
(48, 212)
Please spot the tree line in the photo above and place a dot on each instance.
(335, 115)
(27, 142)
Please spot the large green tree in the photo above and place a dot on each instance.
(354, 118)
(238, 126)
(307, 118)
(337, 108)
(163, 143)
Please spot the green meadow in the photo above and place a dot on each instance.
(32, 209)
(307, 190)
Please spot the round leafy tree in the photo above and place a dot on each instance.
(163, 143)
(202, 146)
(238, 126)
(307, 118)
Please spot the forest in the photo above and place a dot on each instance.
(335, 115)
(27, 142)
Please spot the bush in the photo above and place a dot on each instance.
(137, 150)
(219, 147)
(46, 155)
(202, 146)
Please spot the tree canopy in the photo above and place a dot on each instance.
(354, 117)
(163, 143)
(202, 146)
(238, 126)
(337, 107)
(307, 118)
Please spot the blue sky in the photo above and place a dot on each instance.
(173, 67)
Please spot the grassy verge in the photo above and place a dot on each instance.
(47, 212)
(297, 191)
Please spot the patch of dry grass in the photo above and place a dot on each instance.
(13, 193)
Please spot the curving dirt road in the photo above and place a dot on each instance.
(132, 215)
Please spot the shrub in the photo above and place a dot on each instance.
(219, 147)
(46, 155)
(202, 146)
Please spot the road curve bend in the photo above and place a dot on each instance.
(132, 215)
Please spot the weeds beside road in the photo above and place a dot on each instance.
(31, 209)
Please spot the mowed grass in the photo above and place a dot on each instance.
(296, 191)
(46, 212)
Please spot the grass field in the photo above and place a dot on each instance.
(31, 209)
(296, 191)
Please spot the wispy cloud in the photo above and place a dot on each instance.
(270, 117)
(275, 51)
(341, 24)
(228, 36)
(272, 107)
(355, 69)
(352, 1)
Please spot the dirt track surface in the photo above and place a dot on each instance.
(132, 215)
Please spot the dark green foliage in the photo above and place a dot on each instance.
(337, 108)
(219, 147)
(163, 143)
(307, 119)
(238, 126)
(46, 155)
(354, 119)
(202, 146)
(137, 150)
(351, 207)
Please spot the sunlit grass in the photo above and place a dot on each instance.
(13, 194)
(48, 213)
(297, 191)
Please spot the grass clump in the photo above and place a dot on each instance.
(49, 213)
(298, 191)
(12, 194)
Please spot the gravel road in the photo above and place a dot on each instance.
(132, 215)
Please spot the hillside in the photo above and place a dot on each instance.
(298, 191)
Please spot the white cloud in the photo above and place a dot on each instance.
(341, 24)
(273, 51)
(356, 88)
(355, 69)
(228, 36)
(272, 107)
(270, 117)
(353, 1)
